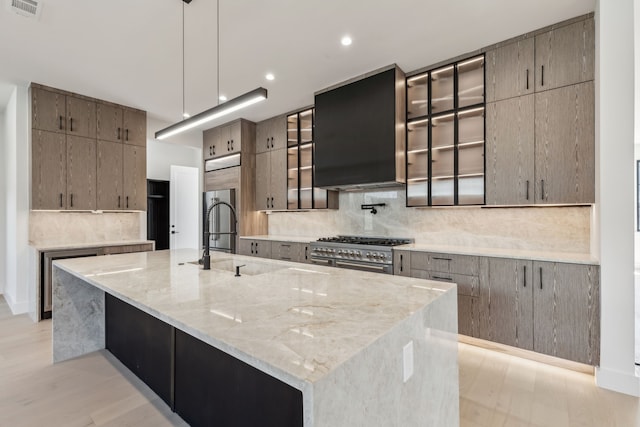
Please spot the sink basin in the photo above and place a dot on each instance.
(248, 269)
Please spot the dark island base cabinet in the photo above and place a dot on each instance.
(202, 384)
(215, 389)
(142, 343)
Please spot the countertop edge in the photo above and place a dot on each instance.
(66, 246)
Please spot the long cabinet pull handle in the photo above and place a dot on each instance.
(542, 188)
(71, 199)
(210, 150)
(306, 250)
(542, 77)
(119, 202)
(232, 145)
(119, 130)
(271, 142)
(401, 267)
(540, 277)
(251, 247)
(71, 124)
(126, 134)
(524, 268)
(60, 199)
(527, 79)
(228, 145)
(256, 248)
(272, 203)
(267, 202)
(127, 200)
(527, 189)
(59, 122)
(267, 143)
(449, 279)
(442, 259)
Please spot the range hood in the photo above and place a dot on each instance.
(360, 132)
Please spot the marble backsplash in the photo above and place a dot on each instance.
(53, 228)
(558, 229)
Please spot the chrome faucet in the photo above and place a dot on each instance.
(206, 257)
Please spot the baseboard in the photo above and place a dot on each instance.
(16, 307)
(621, 382)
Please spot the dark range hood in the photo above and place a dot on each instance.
(359, 132)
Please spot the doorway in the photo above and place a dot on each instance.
(158, 213)
(184, 202)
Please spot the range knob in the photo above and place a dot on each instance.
(351, 253)
(368, 255)
(358, 254)
(340, 252)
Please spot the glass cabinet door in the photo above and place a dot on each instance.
(292, 162)
(418, 96)
(445, 135)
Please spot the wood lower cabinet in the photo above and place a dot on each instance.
(565, 145)
(510, 151)
(506, 302)
(566, 316)
(257, 248)
(134, 177)
(81, 173)
(287, 251)
(468, 315)
(48, 170)
(401, 263)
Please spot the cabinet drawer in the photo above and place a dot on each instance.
(467, 285)
(258, 248)
(458, 264)
(286, 251)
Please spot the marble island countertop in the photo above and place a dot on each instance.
(64, 246)
(297, 322)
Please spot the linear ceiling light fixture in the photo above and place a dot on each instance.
(219, 110)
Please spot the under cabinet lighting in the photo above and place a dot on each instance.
(442, 70)
(417, 122)
(416, 78)
(475, 110)
(471, 61)
(218, 111)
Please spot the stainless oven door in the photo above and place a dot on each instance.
(375, 268)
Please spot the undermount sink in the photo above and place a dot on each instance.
(249, 269)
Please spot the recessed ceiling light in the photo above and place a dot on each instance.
(346, 41)
(269, 76)
(222, 98)
(186, 115)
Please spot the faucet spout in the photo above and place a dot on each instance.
(206, 257)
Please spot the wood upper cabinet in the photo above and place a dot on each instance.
(81, 117)
(48, 170)
(567, 311)
(510, 151)
(271, 134)
(134, 177)
(210, 138)
(565, 55)
(48, 110)
(134, 125)
(222, 140)
(565, 145)
(506, 302)
(271, 180)
(109, 122)
(510, 70)
(110, 175)
(81, 173)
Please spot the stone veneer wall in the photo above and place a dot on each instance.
(558, 229)
(54, 228)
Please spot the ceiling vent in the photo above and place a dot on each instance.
(28, 8)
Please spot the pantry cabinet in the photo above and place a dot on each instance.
(509, 70)
(81, 173)
(48, 170)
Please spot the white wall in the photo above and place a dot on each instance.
(16, 165)
(614, 192)
(3, 203)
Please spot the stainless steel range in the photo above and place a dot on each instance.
(360, 253)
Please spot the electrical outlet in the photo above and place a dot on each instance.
(407, 361)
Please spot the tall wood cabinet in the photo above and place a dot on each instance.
(541, 118)
(271, 164)
(86, 154)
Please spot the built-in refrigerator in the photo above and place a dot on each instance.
(221, 221)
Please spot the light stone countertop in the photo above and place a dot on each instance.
(64, 246)
(297, 322)
(569, 257)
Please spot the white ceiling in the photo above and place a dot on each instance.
(130, 52)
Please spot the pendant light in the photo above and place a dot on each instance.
(219, 110)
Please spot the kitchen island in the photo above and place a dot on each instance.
(318, 346)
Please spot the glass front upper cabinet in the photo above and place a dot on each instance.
(301, 194)
(445, 135)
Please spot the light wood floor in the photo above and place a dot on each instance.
(96, 390)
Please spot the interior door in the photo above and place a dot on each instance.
(185, 207)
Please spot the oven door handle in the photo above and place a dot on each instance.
(322, 261)
(362, 266)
